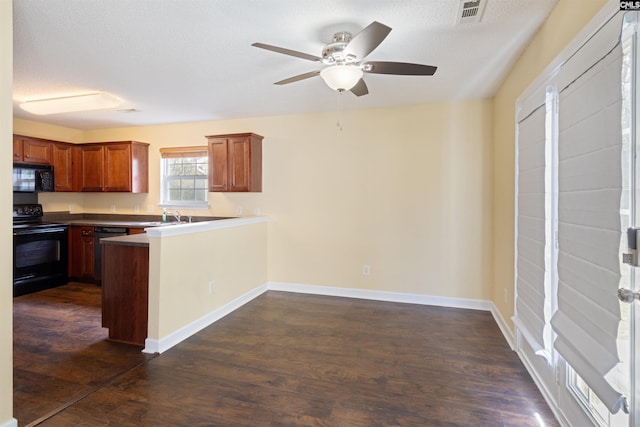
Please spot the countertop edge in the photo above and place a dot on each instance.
(196, 227)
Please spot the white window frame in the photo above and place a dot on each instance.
(177, 152)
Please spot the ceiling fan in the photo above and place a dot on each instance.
(344, 59)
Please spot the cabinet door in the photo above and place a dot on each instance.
(31, 150)
(239, 164)
(81, 252)
(117, 167)
(36, 151)
(87, 258)
(17, 149)
(62, 167)
(218, 159)
(92, 168)
(75, 254)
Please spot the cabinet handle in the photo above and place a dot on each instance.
(27, 156)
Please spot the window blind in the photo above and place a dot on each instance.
(530, 318)
(173, 152)
(589, 227)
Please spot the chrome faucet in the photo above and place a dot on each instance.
(175, 214)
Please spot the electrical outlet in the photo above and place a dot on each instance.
(212, 285)
(239, 210)
(136, 208)
(150, 208)
(366, 270)
(113, 208)
(256, 211)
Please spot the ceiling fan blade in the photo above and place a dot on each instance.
(399, 68)
(360, 88)
(366, 40)
(288, 52)
(298, 78)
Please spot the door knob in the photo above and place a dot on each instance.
(627, 295)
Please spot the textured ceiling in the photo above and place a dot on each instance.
(192, 60)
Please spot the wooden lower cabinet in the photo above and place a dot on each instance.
(125, 292)
(81, 253)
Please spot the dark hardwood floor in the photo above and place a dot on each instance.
(60, 351)
(288, 359)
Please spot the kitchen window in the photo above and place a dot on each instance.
(184, 177)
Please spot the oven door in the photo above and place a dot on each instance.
(39, 258)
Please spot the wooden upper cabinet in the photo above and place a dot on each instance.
(92, 170)
(126, 167)
(32, 150)
(115, 167)
(235, 162)
(46, 152)
(62, 160)
(17, 149)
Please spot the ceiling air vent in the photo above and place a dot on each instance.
(470, 12)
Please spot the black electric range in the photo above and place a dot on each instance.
(40, 251)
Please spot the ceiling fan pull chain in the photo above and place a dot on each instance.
(338, 124)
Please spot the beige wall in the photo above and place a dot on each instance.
(423, 194)
(564, 23)
(405, 190)
(181, 268)
(6, 254)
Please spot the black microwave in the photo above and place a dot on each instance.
(32, 178)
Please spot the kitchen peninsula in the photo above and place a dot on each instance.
(125, 287)
(162, 286)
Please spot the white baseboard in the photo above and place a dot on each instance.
(164, 344)
(11, 423)
(506, 332)
(472, 304)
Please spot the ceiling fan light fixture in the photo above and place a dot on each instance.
(341, 77)
(68, 104)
